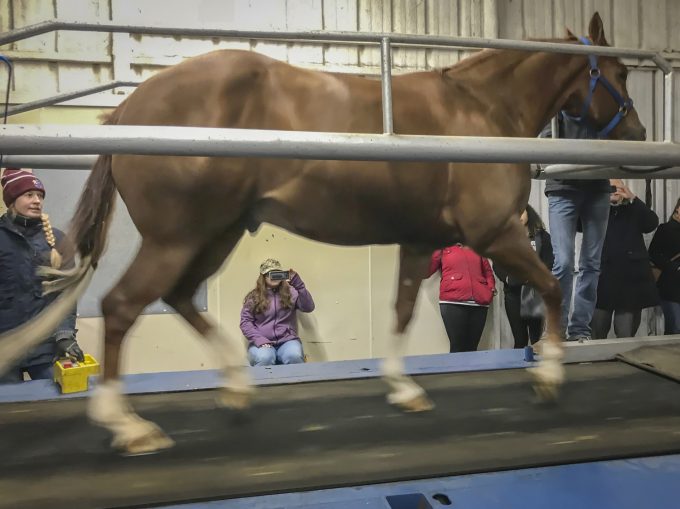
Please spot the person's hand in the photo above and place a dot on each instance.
(627, 193)
(266, 345)
(291, 274)
(68, 347)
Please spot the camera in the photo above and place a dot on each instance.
(279, 275)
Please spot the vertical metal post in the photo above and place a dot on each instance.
(554, 127)
(386, 76)
(668, 107)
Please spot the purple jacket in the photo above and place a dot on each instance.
(276, 325)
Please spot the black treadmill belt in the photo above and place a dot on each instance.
(329, 434)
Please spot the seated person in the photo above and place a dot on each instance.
(269, 316)
(28, 241)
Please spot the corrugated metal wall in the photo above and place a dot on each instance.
(64, 61)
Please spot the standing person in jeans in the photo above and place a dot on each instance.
(626, 283)
(465, 292)
(571, 201)
(664, 252)
(269, 316)
(526, 330)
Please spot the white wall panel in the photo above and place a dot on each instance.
(340, 16)
(89, 11)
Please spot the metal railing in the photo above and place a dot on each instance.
(388, 146)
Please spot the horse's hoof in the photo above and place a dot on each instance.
(420, 403)
(546, 388)
(546, 392)
(235, 400)
(153, 442)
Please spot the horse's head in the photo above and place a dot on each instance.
(601, 98)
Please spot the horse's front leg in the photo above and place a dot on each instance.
(404, 392)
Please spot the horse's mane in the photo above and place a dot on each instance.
(484, 54)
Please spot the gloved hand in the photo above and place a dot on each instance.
(68, 347)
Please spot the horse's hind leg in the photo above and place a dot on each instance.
(512, 250)
(229, 350)
(404, 392)
(155, 269)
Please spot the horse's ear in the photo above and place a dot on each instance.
(570, 35)
(596, 31)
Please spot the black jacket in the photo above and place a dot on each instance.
(23, 248)
(570, 129)
(626, 281)
(665, 245)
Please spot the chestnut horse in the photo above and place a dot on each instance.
(191, 211)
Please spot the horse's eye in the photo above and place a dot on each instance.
(623, 75)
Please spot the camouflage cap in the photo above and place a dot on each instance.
(268, 265)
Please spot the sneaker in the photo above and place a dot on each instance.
(580, 338)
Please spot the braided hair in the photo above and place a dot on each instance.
(55, 257)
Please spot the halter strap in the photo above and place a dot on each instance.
(596, 77)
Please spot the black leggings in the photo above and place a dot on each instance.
(626, 323)
(523, 329)
(464, 325)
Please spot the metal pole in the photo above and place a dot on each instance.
(386, 82)
(668, 113)
(336, 37)
(50, 162)
(554, 128)
(589, 171)
(582, 171)
(214, 142)
(56, 99)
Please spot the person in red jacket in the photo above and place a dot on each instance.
(465, 292)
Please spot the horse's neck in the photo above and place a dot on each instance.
(533, 86)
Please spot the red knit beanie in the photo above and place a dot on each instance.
(16, 182)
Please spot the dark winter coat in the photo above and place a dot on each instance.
(626, 281)
(23, 248)
(666, 245)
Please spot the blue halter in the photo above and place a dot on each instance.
(596, 77)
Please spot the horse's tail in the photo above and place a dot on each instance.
(87, 235)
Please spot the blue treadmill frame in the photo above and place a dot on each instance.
(652, 482)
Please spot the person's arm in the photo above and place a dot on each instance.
(546, 253)
(65, 334)
(647, 218)
(435, 262)
(304, 302)
(657, 249)
(488, 274)
(65, 339)
(250, 329)
(501, 273)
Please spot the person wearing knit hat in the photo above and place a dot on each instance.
(28, 241)
(269, 315)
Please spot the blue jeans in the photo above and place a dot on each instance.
(36, 372)
(565, 209)
(289, 352)
(671, 317)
